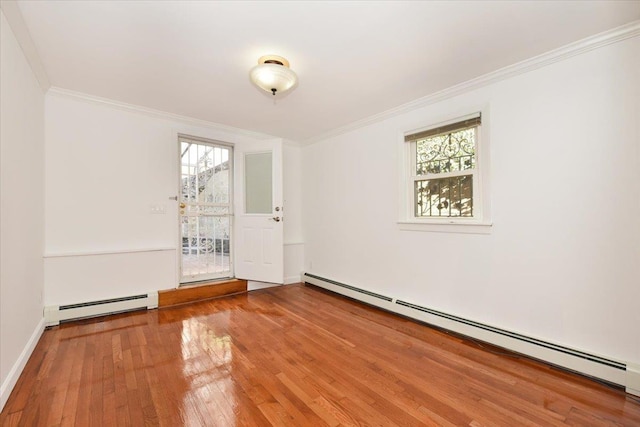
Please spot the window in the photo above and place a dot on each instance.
(443, 184)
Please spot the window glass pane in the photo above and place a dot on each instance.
(205, 245)
(450, 152)
(205, 173)
(205, 207)
(448, 197)
(257, 183)
(205, 170)
(220, 181)
(188, 172)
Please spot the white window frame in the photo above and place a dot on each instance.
(480, 223)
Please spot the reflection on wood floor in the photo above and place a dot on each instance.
(297, 356)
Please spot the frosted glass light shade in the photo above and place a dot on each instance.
(273, 77)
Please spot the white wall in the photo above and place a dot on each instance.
(21, 209)
(562, 261)
(106, 166)
(293, 238)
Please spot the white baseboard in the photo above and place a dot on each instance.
(633, 379)
(598, 366)
(253, 285)
(10, 382)
(54, 314)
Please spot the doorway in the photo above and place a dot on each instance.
(205, 215)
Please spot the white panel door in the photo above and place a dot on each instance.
(259, 249)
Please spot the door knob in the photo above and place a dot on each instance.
(276, 218)
(182, 205)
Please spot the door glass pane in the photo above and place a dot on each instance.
(257, 183)
(205, 245)
(205, 209)
(220, 176)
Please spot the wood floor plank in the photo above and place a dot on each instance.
(73, 385)
(292, 356)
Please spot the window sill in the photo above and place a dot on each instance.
(447, 226)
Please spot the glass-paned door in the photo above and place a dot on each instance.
(205, 210)
(259, 213)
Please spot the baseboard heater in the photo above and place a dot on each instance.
(608, 369)
(53, 315)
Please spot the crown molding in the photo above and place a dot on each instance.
(23, 36)
(158, 114)
(596, 41)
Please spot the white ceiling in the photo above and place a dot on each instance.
(354, 59)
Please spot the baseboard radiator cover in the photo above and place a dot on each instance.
(604, 368)
(55, 314)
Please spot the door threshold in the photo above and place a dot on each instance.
(206, 282)
(201, 291)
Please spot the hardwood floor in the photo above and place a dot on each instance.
(297, 356)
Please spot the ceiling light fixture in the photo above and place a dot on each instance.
(272, 74)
